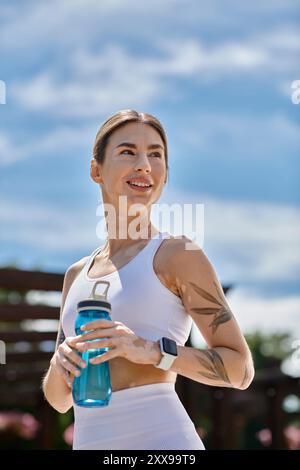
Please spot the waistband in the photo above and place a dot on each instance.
(131, 396)
(147, 389)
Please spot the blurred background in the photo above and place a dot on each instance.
(219, 77)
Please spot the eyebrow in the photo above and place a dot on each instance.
(133, 146)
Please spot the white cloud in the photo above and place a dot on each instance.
(266, 314)
(9, 152)
(258, 242)
(104, 73)
(247, 241)
(238, 137)
(51, 229)
(254, 313)
(111, 80)
(58, 141)
(260, 53)
(62, 23)
(113, 76)
(211, 135)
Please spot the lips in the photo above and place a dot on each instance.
(139, 180)
(142, 189)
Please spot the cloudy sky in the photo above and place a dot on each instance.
(217, 75)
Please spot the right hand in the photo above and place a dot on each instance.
(67, 361)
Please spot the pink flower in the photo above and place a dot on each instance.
(292, 435)
(264, 436)
(68, 434)
(23, 424)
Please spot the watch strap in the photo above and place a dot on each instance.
(166, 360)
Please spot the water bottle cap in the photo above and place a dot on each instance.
(96, 300)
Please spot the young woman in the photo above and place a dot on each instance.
(157, 288)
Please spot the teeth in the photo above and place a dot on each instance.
(140, 184)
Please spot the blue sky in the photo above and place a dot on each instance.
(217, 75)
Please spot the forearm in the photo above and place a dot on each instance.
(219, 366)
(56, 391)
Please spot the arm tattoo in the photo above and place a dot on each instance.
(222, 313)
(213, 363)
(60, 336)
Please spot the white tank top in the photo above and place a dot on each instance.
(137, 297)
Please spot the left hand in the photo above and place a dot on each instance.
(121, 341)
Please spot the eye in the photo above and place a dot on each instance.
(157, 154)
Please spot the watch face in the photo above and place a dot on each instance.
(170, 346)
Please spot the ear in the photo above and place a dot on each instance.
(95, 171)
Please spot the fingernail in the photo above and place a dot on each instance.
(77, 373)
(83, 364)
(82, 327)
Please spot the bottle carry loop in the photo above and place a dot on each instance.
(103, 296)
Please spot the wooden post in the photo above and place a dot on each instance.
(275, 415)
(48, 418)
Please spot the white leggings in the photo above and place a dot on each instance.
(147, 417)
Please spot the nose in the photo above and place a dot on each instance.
(142, 163)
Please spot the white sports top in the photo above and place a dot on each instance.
(137, 297)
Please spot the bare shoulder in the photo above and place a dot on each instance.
(76, 267)
(182, 257)
(71, 274)
(69, 277)
(175, 256)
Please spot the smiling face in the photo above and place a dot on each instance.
(142, 160)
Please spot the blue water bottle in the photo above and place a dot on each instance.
(93, 387)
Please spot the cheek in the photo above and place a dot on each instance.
(159, 166)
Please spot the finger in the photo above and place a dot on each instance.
(103, 343)
(71, 342)
(74, 357)
(106, 356)
(98, 333)
(66, 364)
(69, 378)
(98, 324)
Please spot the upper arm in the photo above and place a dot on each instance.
(69, 278)
(203, 297)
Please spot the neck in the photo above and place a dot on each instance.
(116, 241)
(124, 230)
